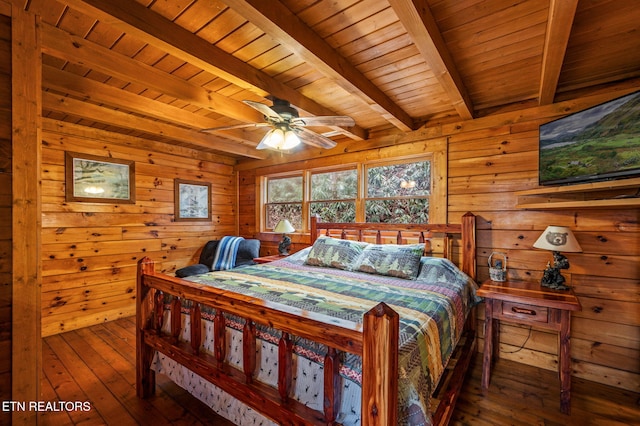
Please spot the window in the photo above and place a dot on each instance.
(284, 201)
(398, 193)
(391, 192)
(333, 195)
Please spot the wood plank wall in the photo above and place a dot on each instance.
(90, 250)
(489, 159)
(5, 214)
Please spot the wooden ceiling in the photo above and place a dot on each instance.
(165, 69)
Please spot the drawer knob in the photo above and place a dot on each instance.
(525, 311)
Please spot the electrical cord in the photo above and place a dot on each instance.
(521, 346)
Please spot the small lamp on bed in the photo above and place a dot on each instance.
(557, 239)
(284, 227)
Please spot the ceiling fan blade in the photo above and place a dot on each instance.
(237, 126)
(312, 138)
(265, 110)
(337, 120)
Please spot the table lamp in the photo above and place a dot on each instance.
(557, 239)
(284, 227)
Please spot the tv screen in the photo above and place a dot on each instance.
(599, 143)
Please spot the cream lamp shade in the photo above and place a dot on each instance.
(558, 238)
(279, 138)
(284, 227)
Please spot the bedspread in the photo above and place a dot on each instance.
(432, 312)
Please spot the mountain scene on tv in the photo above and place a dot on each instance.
(601, 141)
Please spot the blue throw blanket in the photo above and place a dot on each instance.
(226, 252)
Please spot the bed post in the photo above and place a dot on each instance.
(468, 264)
(145, 310)
(380, 376)
(314, 229)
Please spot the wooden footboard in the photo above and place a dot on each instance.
(371, 340)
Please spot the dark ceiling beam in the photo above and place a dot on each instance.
(419, 22)
(283, 25)
(135, 19)
(559, 24)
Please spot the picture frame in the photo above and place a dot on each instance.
(192, 200)
(95, 179)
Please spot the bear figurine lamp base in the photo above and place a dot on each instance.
(284, 227)
(557, 239)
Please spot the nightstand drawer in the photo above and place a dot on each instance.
(528, 313)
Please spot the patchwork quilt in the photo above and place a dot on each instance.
(432, 307)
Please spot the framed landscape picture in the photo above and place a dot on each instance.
(192, 200)
(89, 178)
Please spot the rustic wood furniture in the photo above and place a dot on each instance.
(268, 259)
(373, 340)
(528, 303)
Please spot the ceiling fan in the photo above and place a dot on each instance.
(288, 128)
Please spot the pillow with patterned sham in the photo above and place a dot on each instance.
(438, 269)
(334, 253)
(391, 259)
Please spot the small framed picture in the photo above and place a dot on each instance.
(192, 200)
(93, 179)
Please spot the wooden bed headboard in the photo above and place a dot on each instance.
(424, 231)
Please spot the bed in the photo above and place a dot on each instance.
(334, 334)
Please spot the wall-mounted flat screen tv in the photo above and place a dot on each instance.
(599, 143)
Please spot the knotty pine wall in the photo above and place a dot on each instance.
(90, 250)
(489, 159)
(5, 214)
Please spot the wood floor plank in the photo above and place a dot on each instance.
(62, 381)
(117, 352)
(522, 395)
(97, 364)
(98, 357)
(102, 400)
(50, 365)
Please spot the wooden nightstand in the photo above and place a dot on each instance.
(267, 259)
(528, 303)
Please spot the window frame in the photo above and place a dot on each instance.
(264, 190)
(437, 192)
(387, 162)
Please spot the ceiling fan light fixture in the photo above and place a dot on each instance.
(280, 139)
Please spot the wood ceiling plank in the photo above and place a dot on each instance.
(381, 43)
(133, 18)
(117, 98)
(274, 61)
(61, 44)
(130, 121)
(362, 29)
(423, 29)
(200, 14)
(348, 16)
(280, 22)
(316, 11)
(530, 43)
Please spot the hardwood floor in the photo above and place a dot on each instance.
(97, 365)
